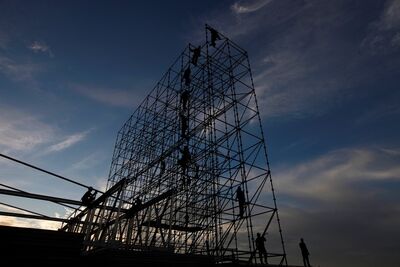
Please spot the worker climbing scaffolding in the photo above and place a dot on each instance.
(187, 76)
(242, 201)
(196, 54)
(88, 197)
(214, 36)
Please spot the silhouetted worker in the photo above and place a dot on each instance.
(162, 168)
(208, 247)
(185, 95)
(214, 36)
(196, 54)
(186, 76)
(262, 252)
(185, 159)
(197, 172)
(184, 124)
(139, 231)
(135, 208)
(304, 253)
(88, 197)
(186, 219)
(138, 202)
(242, 201)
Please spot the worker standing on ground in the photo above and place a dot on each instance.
(242, 201)
(304, 253)
(262, 252)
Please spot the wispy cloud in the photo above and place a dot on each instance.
(337, 201)
(384, 109)
(30, 223)
(241, 7)
(24, 132)
(390, 18)
(20, 131)
(333, 176)
(68, 141)
(275, 81)
(19, 71)
(88, 162)
(303, 60)
(384, 33)
(110, 96)
(298, 63)
(40, 47)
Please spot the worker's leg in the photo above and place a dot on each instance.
(261, 256)
(308, 261)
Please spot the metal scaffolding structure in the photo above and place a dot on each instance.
(180, 160)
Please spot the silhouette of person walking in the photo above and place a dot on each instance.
(88, 197)
(196, 54)
(186, 76)
(262, 252)
(214, 36)
(305, 253)
(242, 201)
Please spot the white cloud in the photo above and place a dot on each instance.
(24, 132)
(40, 47)
(18, 71)
(292, 83)
(391, 151)
(241, 7)
(337, 201)
(87, 162)
(28, 223)
(396, 40)
(334, 175)
(384, 33)
(300, 68)
(68, 142)
(390, 18)
(20, 131)
(109, 96)
(101, 184)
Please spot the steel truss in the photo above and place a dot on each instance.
(179, 160)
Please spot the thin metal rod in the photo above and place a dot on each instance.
(36, 217)
(18, 190)
(45, 171)
(18, 208)
(41, 197)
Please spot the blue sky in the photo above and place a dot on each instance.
(326, 76)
